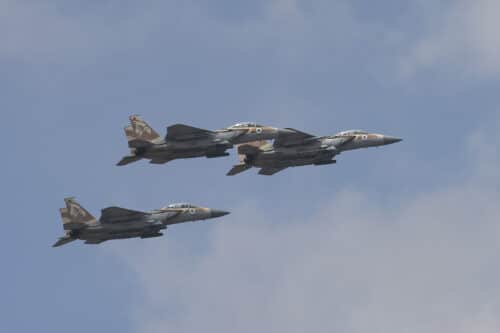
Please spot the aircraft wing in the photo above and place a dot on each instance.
(292, 137)
(181, 132)
(270, 171)
(118, 214)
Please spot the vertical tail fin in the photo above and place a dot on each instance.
(139, 133)
(75, 216)
(245, 153)
(139, 136)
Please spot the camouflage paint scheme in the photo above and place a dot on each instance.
(294, 148)
(183, 141)
(121, 223)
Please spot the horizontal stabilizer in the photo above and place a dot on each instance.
(238, 169)
(181, 132)
(63, 240)
(128, 159)
(118, 214)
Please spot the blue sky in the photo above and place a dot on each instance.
(395, 239)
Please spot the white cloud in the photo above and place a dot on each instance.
(291, 33)
(465, 34)
(428, 264)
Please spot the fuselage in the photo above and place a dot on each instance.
(316, 151)
(214, 145)
(145, 226)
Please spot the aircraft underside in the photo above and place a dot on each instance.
(172, 154)
(98, 236)
(284, 161)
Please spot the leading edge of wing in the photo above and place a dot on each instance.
(292, 137)
(181, 132)
(115, 214)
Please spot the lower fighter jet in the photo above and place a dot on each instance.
(183, 141)
(121, 223)
(294, 148)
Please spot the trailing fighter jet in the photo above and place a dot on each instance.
(121, 223)
(294, 148)
(183, 141)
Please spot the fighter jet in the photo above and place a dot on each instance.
(121, 223)
(183, 141)
(295, 148)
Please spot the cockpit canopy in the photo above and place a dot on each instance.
(245, 124)
(352, 132)
(181, 205)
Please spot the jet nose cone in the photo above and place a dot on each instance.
(391, 139)
(218, 213)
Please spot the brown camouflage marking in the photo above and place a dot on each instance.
(140, 130)
(299, 149)
(121, 223)
(74, 213)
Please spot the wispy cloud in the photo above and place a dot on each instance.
(286, 30)
(462, 34)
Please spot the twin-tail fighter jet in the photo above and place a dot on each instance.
(290, 148)
(121, 223)
(183, 141)
(295, 148)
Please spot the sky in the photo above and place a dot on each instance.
(403, 238)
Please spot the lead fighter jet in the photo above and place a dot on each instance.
(120, 223)
(183, 141)
(294, 148)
